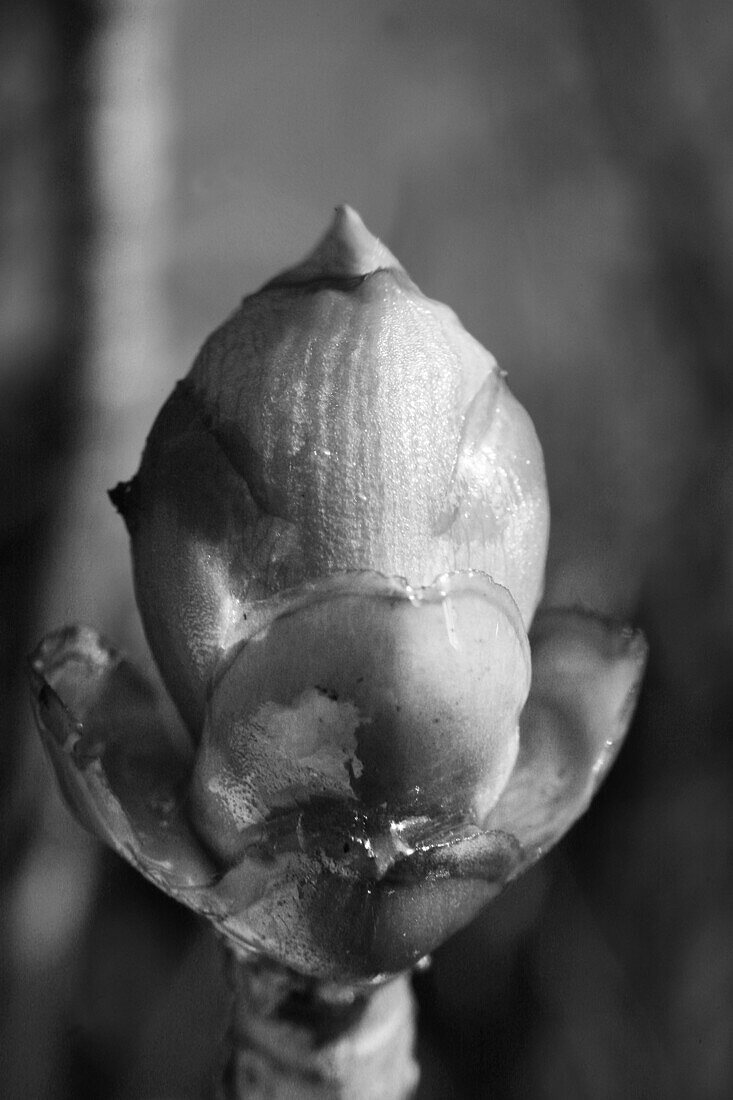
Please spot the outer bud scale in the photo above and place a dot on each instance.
(338, 421)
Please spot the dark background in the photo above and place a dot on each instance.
(559, 172)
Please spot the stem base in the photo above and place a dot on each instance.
(293, 1036)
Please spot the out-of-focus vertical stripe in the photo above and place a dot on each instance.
(45, 221)
(129, 359)
(84, 181)
(131, 137)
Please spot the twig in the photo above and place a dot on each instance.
(293, 1036)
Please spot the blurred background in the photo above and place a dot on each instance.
(559, 172)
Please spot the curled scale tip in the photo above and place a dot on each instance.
(348, 250)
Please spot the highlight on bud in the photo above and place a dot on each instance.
(339, 530)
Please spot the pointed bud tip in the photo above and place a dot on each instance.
(348, 250)
(353, 247)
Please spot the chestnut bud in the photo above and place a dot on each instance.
(339, 530)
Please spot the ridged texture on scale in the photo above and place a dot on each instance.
(338, 421)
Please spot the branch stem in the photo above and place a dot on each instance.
(293, 1036)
